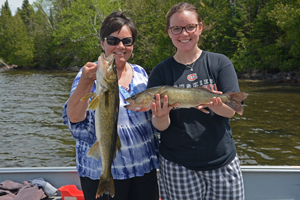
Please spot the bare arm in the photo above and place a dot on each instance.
(218, 107)
(77, 109)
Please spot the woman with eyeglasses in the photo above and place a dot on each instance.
(134, 168)
(198, 158)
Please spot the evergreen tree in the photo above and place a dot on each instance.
(5, 20)
(26, 13)
(18, 46)
(77, 38)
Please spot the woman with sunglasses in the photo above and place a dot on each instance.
(198, 158)
(134, 168)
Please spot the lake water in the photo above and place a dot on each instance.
(33, 135)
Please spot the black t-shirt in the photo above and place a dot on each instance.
(194, 139)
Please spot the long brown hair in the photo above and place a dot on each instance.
(179, 8)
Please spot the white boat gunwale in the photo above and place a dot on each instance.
(261, 182)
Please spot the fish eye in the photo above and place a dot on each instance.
(133, 97)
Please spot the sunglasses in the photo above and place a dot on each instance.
(114, 41)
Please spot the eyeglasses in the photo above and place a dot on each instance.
(114, 41)
(190, 28)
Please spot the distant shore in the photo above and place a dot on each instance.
(280, 77)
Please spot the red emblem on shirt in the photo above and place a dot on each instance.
(192, 77)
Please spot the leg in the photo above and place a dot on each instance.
(89, 188)
(145, 187)
(179, 183)
(225, 183)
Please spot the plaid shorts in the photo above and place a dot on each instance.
(179, 183)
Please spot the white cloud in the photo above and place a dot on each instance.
(14, 4)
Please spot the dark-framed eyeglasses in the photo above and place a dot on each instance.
(190, 28)
(114, 41)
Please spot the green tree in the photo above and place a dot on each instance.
(5, 17)
(76, 37)
(27, 13)
(18, 47)
(153, 43)
(287, 18)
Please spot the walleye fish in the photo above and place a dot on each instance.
(105, 102)
(187, 97)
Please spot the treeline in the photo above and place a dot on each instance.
(55, 34)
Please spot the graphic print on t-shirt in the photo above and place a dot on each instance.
(192, 82)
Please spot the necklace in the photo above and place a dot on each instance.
(188, 66)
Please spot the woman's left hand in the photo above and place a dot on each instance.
(216, 101)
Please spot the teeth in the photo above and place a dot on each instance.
(184, 41)
(119, 53)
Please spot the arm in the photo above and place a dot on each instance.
(227, 82)
(76, 109)
(218, 107)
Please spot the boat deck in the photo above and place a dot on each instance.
(261, 182)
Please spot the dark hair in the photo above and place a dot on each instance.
(114, 22)
(180, 7)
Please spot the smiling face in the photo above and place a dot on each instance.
(185, 41)
(122, 53)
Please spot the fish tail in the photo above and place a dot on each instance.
(235, 100)
(106, 185)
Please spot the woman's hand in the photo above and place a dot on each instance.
(216, 101)
(77, 109)
(89, 72)
(160, 114)
(158, 110)
(218, 107)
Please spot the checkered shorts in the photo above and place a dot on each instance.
(179, 183)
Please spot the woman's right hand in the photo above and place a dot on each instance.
(76, 108)
(89, 72)
(160, 113)
(158, 110)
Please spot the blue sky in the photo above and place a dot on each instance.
(14, 4)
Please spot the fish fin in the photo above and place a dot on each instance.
(106, 185)
(163, 94)
(235, 101)
(174, 105)
(94, 151)
(118, 143)
(160, 90)
(94, 103)
(118, 146)
(87, 96)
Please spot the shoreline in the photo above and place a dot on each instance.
(280, 77)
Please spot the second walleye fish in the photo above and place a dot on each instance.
(187, 97)
(105, 102)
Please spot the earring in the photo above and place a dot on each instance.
(132, 55)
